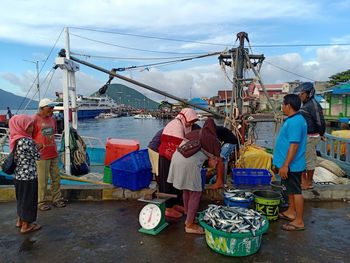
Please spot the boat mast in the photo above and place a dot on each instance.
(69, 68)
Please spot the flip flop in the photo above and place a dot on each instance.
(291, 227)
(172, 213)
(197, 231)
(44, 207)
(179, 209)
(283, 216)
(34, 227)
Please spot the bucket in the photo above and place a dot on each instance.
(267, 203)
(241, 203)
(279, 188)
(233, 244)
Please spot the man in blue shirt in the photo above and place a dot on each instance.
(289, 158)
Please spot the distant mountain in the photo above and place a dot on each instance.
(124, 95)
(13, 101)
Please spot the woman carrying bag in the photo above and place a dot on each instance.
(25, 176)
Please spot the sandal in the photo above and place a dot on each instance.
(59, 204)
(179, 209)
(33, 227)
(285, 217)
(172, 213)
(291, 227)
(197, 230)
(44, 207)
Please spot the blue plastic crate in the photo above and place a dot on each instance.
(131, 180)
(133, 162)
(249, 176)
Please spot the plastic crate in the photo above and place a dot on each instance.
(133, 162)
(107, 175)
(249, 176)
(132, 171)
(131, 180)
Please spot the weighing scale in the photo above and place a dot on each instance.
(152, 216)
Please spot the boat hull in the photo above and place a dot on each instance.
(91, 113)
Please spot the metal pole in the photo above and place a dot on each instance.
(261, 83)
(66, 108)
(239, 68)
(37, 76)
(145, 86)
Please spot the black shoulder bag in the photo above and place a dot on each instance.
(9, 164)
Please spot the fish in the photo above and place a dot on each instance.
(233, 219)
(237, 195)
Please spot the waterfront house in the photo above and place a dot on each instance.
(338, 98)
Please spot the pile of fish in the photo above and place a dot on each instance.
(233, 219)
(237, 195)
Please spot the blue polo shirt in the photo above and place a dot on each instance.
(294, 130)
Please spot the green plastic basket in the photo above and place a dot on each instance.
(107, 175)
(233, 244)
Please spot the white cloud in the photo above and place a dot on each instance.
(86, 84)
(38, 21)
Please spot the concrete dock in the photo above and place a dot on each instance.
(90, 192)
(106, 231)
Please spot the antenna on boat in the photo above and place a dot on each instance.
(69, 84)
(239, 60)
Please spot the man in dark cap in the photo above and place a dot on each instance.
(316, 127)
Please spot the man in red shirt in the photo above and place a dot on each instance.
(44, 136)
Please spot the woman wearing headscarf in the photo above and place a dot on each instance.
(173, 134)
(26, 177)
(316, 127)
(185, 173)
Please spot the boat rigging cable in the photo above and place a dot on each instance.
(213, 44)
(113, 74)
(132, 48)
(42, 67)
(128, 58)
(286, 70)
(153, 37)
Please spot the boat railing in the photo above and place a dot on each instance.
(91, 142)
(336, 149)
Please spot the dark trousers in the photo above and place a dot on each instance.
(27, 199)
(164, 186)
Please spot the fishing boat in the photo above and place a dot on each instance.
(108, 115)
(144, 116)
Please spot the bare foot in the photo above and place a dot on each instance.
(30, 228)
(18, 222)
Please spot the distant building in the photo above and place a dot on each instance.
(338, 98)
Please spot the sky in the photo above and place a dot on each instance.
(313, 41)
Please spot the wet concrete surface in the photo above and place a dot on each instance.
(107, 232)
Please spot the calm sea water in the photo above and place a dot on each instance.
(144, 130)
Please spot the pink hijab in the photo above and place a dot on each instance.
(177, 127)
(18, 125)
